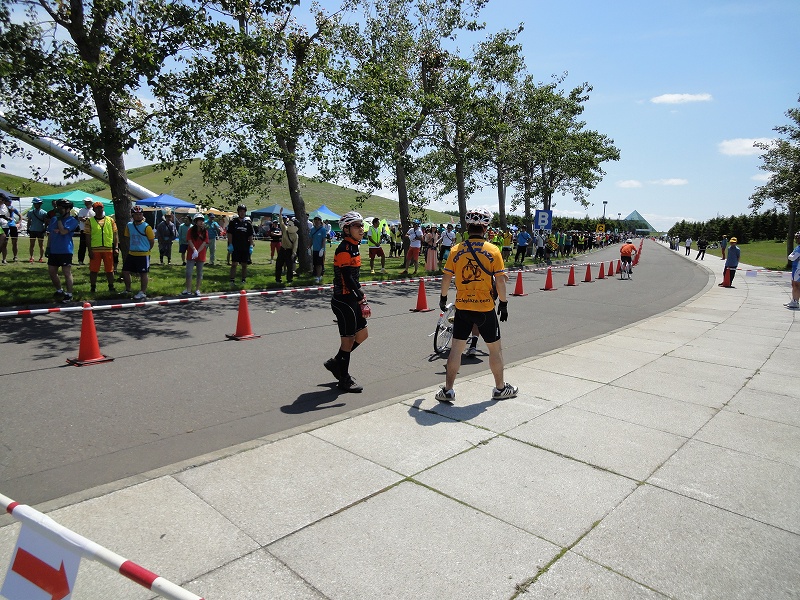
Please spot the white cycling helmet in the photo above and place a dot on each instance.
(629, 241)
(478, 216)
(349, 218)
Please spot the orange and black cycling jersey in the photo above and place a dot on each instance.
(347, 269)
(627, 249)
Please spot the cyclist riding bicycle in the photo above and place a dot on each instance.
(628, 249)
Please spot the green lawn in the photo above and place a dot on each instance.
(25, 284)
(768, 254)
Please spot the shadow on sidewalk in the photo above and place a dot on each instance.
(314, 400)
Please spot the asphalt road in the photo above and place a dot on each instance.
(178, 388)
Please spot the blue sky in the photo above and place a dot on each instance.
(682, 87)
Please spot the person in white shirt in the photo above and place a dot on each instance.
(83, 214)
(414, 235)
(446, 242)
(688, 244)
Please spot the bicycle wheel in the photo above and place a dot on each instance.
(444, 331)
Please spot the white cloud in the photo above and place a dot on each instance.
(670, 182)
(762, 177)
(629, 183)
(742, 146)
(681, 98)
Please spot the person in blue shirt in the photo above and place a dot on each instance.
(732, 261)
(523, 241)
(794, 304)
(60, 247)
(214, 231)
(37, 226)
(319, 233)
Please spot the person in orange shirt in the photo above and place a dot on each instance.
(103, 244)
(625, 253)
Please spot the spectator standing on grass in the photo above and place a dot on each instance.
(13, 230)
(286, 253)
(794, 303)
(141, 238)
(103, 243)
(84, 214)
(5, 219)
(732, 261)
(214, 231)
(414, 235)
(374, 243)
(523, 240)
(197, 240)
(723, 245)
(60, 248)
(37, 226)
(349, 304)
(275, 235)
(166, 232)
(478, 271)
(319, 235)
(446, 243)
(240, 244)
(183, 231)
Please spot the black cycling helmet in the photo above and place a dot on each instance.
(64, 204)
(240, 207)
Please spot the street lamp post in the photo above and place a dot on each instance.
(604, 211)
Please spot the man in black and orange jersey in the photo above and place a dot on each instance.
(628, 249)
(478, 270)
(348, 302)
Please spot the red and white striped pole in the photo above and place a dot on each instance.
(67, 538)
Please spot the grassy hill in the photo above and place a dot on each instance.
(339, 199)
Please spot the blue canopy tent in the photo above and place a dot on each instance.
(324, 213)
(77, 197)
(165, 201)
(269, 211)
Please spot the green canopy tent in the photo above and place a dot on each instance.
(77, 197)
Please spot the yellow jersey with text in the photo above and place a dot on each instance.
(473, 283)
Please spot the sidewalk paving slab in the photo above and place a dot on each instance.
(687, 549)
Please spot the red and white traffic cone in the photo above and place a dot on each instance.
(244, 331)
(89, 350)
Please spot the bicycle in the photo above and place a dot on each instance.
(625, 271)
(443, 334)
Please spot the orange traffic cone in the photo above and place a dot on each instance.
(619, 265)
(588, 278)
(636, 259)
(601, 274)
(571, 279)
(89, 351)
(611, 268)
(422, 300)
(726, 281)
(518, 289)
(244, 331)
(548, 282)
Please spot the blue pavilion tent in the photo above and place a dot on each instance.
(165, 201)
(269, 211)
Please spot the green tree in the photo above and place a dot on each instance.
(253, 104)
(392, 73)
(556, 153)
(781, 159)
(71, 70)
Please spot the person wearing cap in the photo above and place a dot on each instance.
(289, 238)
(732, 261)
(414, 236)
(37, 226)
(103, 243)
(240, 244)
(702, 244)
(84, 214)
(723, 245)
(141, 242)
(183, 231)
(275, 236)
(794, 257)
(60, 247)
(197, 239)
(166, 232)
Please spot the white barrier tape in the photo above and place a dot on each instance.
(86, 548)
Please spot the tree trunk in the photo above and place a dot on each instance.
(462, 190)
(501, 195)
(298, 205)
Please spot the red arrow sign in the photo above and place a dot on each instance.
(42, 575)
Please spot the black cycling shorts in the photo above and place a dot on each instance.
(488, 325)
(348, 315)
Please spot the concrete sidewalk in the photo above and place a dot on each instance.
(661, 461)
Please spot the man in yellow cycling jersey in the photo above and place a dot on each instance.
(476, 267)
